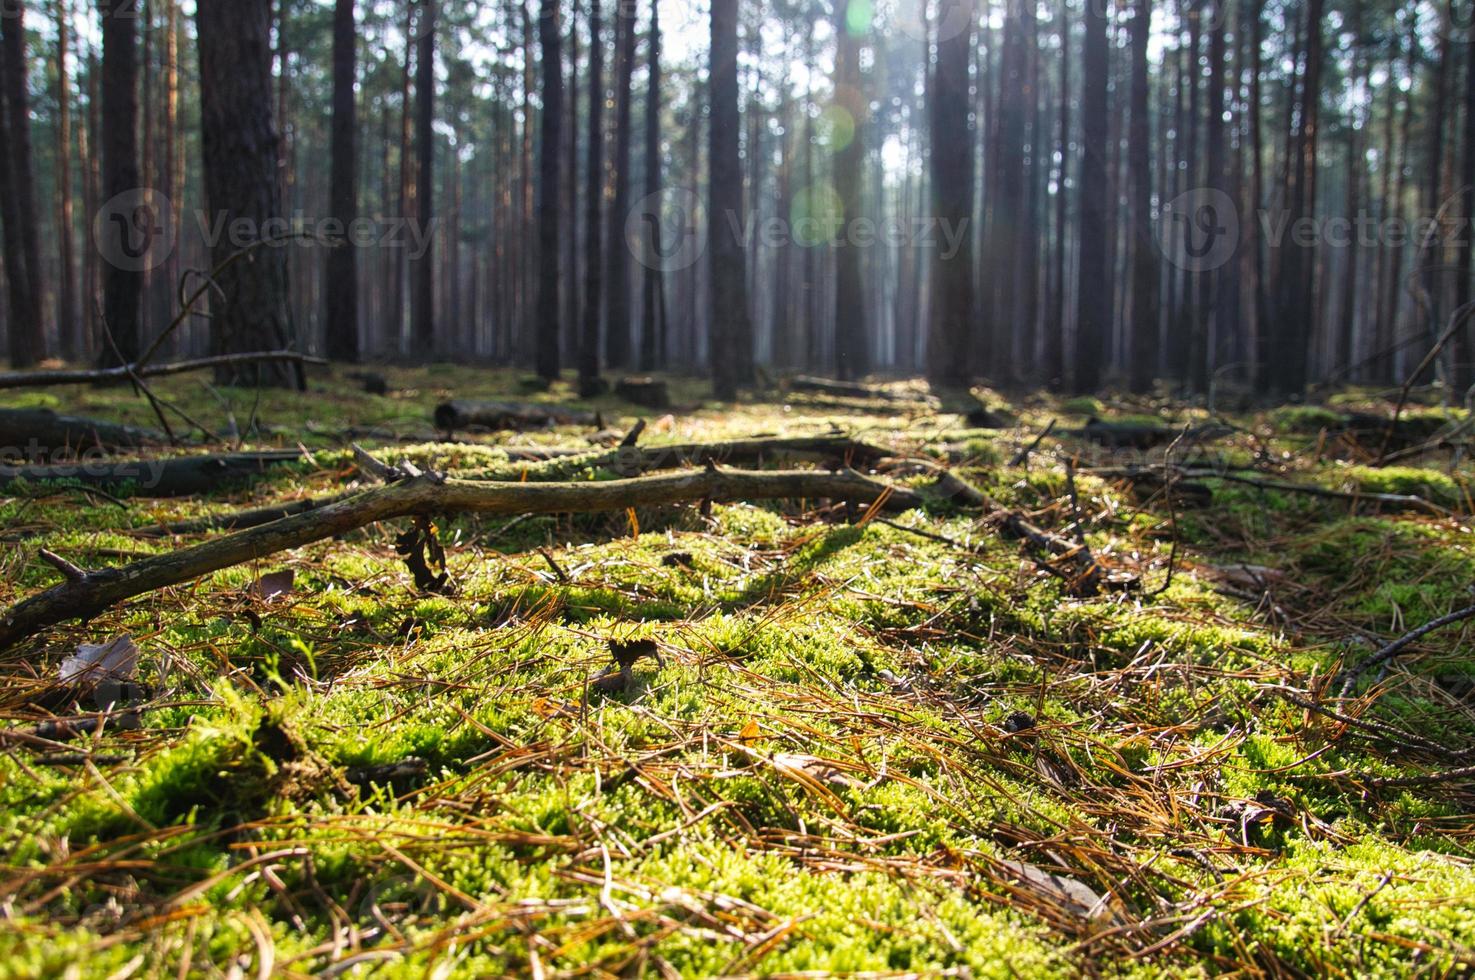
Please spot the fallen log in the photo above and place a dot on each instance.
(177, 476)
(851, 389)
(631, 460)
(127, 372)
(86, 593)
(1143, 435)
(40, 433)
(645, 392)
(497, 416)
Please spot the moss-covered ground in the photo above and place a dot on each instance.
(872, 744)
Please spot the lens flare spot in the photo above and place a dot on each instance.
(836, 128)
(816, 215)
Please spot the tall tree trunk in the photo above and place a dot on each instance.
(126, 242)
(1094, 289)
(340, 320)
(589, 353)
(549, 189)
(1142, 356)
(1464, 371)
(852, 345)
(950, 336)
(1290, 336)
(250, 310)
(617, 273)
(1053, 353)
(731, 327)
(68, 324)
(1209, 316)
(23, 242)
(422, 317)
(653, 324)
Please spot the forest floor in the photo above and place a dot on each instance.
(872, 743)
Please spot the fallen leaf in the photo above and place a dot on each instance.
(1064, 893)
(116, 660)
(273, 585)
(751, 733)
(815, 768)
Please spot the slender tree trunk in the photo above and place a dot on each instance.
(653, 326)
(240, 145)
(1053, 354)
(617, 255)
(1464, 371)
(731, 327)
(549, 188)
(68, 324)
(1291, 335)
(23, 250)
(340, 320)
(422, 319)
(852, 346)
(1142, 338)
(1094, 317)
(951, 334)
(589, 353)
(126, 242)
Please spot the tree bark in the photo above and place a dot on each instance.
(548, 326)
(617, 274)
(1142, 359)
(950, 337)
(653, 302)
(731, 327)
(852, 344)
(422, 316)
(18, 195)
(589, 353)
(243, 195)
(1092, 274)
(68, 323)
(341, 316)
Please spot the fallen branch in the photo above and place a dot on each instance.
(425, 495)
(128, 372)
(850, 389)
(178, 476)
(1399, 645)
(39, 432)
(496, 416)
(1394, 499)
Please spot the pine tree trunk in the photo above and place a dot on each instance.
(549, 188)
(731, 327)
(852, 346)
(68, 324)
(127, 244)
(589, 353)
(340, 319)
(951, 334)
(18, 196)
(1094, 317)
(653, 325)
(1142, 356)
(422, 317)
(617, 272)
(240, 147)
